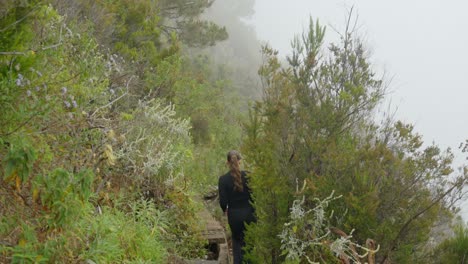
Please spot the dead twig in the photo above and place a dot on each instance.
(112, 102)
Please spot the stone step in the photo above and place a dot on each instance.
(213, 232)
(215, 235)
(224, 254)
(222, 259)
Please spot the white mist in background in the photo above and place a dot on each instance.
(419, 44)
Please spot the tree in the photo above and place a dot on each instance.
(315, 125)
(455, 249)
(183, 17)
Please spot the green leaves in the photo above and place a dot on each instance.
(156, 145)
(315, 125)
(64, 194)
(19, 162)
(64, 66)
(196, 33)
(453, 249)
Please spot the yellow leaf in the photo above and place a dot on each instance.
(18, 183)
(22, 242)
(35, 194)
(294, 229)
(11, 177)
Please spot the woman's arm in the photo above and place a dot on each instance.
(223, 199)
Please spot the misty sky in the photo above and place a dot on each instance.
(421, 45)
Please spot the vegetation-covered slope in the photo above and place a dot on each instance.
(115, 115)
(96, 162)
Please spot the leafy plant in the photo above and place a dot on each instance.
(454, 249)
(64, 195)
(184, 231)
(116, 236)
(19, 162)
(156, 143)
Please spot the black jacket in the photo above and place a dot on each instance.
(230, 198)
(240, 209)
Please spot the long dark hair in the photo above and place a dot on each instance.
(233, 158)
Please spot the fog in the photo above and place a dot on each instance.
(241, 51)
(420, 45)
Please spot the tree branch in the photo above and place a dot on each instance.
(118, 98)
(19, 20)
(21, 125)
(414, 217)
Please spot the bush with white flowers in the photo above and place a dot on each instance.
(156, 143)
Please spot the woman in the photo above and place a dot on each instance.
(235, 200)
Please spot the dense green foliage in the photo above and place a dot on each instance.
(116, 115)
(102, 121)
(314, 127)
(455, 249)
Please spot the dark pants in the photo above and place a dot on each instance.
(237, 245)
(237, 219)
